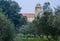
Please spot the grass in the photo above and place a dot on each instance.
(33, 39)
(36, 39)
(30, 39)
(21, 38)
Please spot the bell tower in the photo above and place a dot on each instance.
(38, 9)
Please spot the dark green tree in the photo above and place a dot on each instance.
(11, 9)
(6, 28)
(56, 24)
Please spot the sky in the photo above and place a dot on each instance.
(28, 6)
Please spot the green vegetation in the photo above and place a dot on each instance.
(44, 28)
(36, 39)
(11, 10)
(6, 28)
(14, 27)
(49, 23)
(31, 39)
(10, 20)
(22, 37)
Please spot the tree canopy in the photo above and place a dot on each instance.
(6, 28)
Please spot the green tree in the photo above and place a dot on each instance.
(11, 9)
(27, 29)
(43, 24)
(49, 23)
(6, 28)
(56, 24)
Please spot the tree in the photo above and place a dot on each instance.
(6, 28)
(49, 24)
(27, 29)
(11, 9)
(43, 24)
(56, 24)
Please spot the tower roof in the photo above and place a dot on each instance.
(38, 5)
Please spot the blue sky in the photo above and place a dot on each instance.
(28, 6)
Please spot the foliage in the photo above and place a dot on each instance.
(48, 24)
(27, 29)
(6, 28)
(11, 9)
(30, 39)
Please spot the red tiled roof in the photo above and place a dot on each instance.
(28, 14)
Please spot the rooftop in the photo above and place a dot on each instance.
(29, 14)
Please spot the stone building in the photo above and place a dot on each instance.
(31, 16)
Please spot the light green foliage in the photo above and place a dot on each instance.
(31, 39)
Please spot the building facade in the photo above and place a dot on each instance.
(31, 16)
